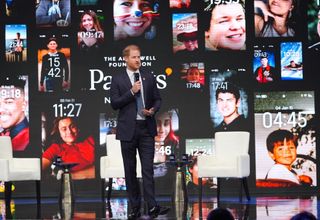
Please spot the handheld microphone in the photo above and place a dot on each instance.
(136, 78)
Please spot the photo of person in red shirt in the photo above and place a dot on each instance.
(70, 146)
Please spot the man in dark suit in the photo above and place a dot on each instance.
(134, 93)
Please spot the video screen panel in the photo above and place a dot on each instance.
(53, 13)
(185, 35)
(313, 25)
(285, 139)
(15, 8)
(228, 100)
(54, 74)
(67, 136)
(16, 42)
(264, 64)
(193, 74)
(221, 34)
(14, 115)
(166, 140)
(291, 61)
(140, 25)
(268, 23)
(108, 125)
(90, 33)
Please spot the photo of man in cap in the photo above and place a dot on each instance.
(190, 44)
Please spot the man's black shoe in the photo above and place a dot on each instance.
(158, 210)
(134, 213)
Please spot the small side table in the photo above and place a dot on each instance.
(180, 188)
(66, 191)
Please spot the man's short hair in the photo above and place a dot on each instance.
(127, 49)
(279, 136)
(13, 80)
(264, 56)
(52, 39)
(230, 88)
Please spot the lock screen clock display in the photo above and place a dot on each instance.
(285, 139)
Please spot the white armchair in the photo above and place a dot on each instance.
(17, 169)
(231, 160)
(111, 166)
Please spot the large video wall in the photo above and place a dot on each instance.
(220, 65)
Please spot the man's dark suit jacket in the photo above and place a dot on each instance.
(123, 100)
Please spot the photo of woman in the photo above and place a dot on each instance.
(275, 18)
(90, 35)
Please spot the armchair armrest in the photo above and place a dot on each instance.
(26, 163)
(104, 162)
(243, 164)
(4, 167)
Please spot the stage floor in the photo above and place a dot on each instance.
(257, 208)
